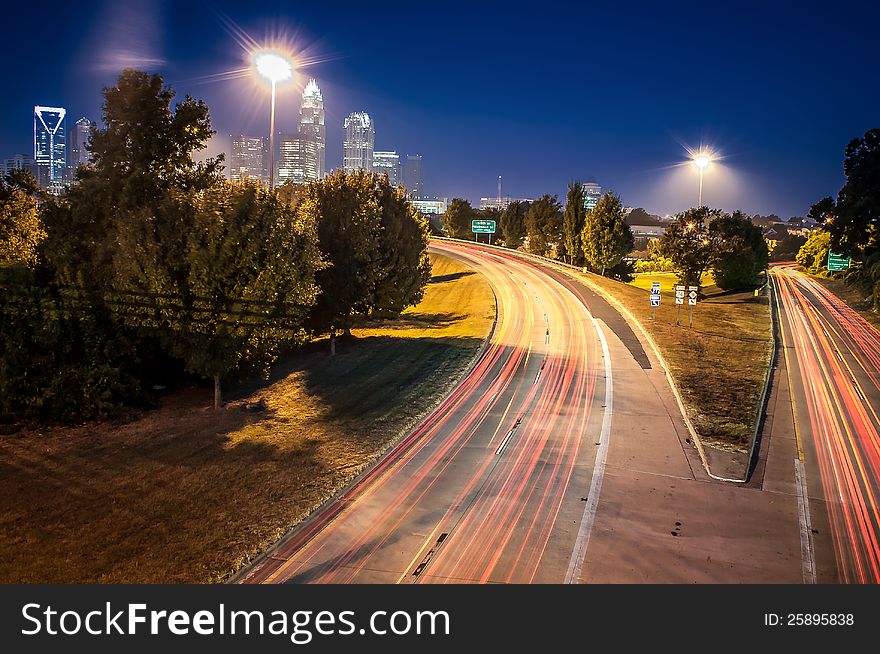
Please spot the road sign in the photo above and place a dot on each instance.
(655, 300)
(483, 226)
(837, 262)
(655, 288)
(692, 295)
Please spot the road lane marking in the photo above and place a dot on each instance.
(808, 559)
(583, 537)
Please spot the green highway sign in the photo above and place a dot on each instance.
(837, 262)
(483, 226)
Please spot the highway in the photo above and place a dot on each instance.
(833, 359)
(560, 457)
(488, 487)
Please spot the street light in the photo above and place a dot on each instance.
(274, 68)
(702, 162)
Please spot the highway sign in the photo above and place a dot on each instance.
(655, 300)
(837, 262)
(655, 288)
(483, 226)
(692, 295)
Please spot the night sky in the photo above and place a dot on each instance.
(537, 92)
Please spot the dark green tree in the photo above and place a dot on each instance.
(491, 213)
(238, 288)
(374, 243)
(740, 251)
(822, 210)
(513, 224)
(787, 247)
(573, 221)
(543, 222)
(457, 219)
(688, 245)
(606, 237)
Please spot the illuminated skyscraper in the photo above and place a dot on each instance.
(412, 175)
(592, 193)
(79, 139)
(311, 122)
(360, 136)
(50, 148)
(387, 163)
(248, 158)
(297, 159)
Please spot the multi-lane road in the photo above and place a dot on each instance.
(833, 362)
(562, 456)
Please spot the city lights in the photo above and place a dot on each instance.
(274, 68)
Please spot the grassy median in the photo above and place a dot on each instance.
(187, 494)
(720, 364)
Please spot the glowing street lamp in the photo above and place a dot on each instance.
(702, 161)
(274, 68)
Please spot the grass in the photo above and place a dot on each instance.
(719, 365)
(187, 494)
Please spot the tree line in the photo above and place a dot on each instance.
(697, 241)
(850, 223)
(152, 265)
(597, 239)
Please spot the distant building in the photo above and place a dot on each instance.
(19, 162)
(387, 163)
(592, 193)
(50, 148)
(431, 206)
(311, 123)
(248, 158)
(79, 140)
(500, 203)
(413, 177)
(297, 159)
(360, 137)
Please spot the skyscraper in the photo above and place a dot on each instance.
(248, 158)
(387, 163)
(360, 136)
(412, 175)
(592, 193)
(311, 121)
(19, 162)
(297, 159)
(79, 139)
(50, 149)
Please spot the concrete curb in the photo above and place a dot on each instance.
(695, 437)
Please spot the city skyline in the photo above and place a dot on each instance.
(782, 150)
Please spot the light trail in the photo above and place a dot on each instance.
(838, 355)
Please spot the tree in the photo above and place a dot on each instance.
(606, 237)
(491, 213)
(639, 216)
(573, 223)
(741, 252)
(787, 247)
(374, 243)
(688, 245)
(543, 223)
(457, 219)
(21, 229)
(854, 227)
(813, 255)
(513, 225)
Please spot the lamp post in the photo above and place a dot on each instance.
(701, 161)
(274, 68)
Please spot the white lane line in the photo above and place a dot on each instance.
(504, 442)
(807, 557)
(583, 537)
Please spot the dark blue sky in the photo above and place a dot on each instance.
(538, 92)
